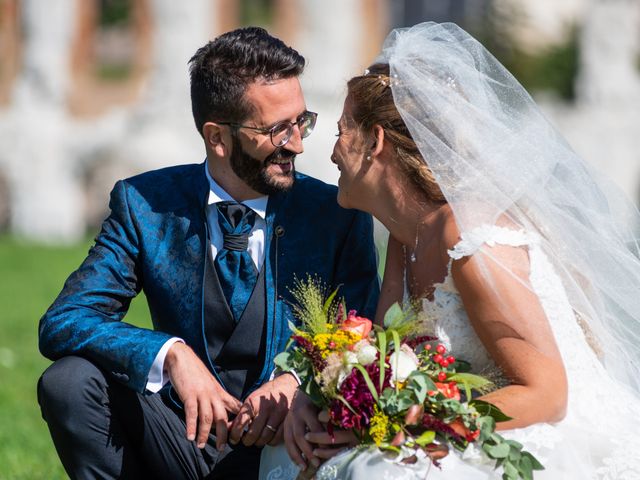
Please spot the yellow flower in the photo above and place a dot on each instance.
(337, 341)
(379, 426)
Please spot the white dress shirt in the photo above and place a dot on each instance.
(157, 378)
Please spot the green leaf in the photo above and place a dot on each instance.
(499, 451)
(327, 304)
(390, 448)
(514, 455)
(515, 444)
(420, 383)
(313, 392)
(525, 468)
(394, 316)
(382, 346)
(510, 471)
(469, 380)
(294, 329)
(426, 438)
(487, 427)
(344, 400)
(404, 400)
(396, 347)
(536, 465)
(388, 401)
(490, 410)
(284, 361)
(367, 380)
(461, 366)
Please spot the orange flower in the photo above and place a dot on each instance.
(449, 390)
(359, 325)
(458, 427)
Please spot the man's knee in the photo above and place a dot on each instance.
(68, 383)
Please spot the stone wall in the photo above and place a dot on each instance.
(67, 135)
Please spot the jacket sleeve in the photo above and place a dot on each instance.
(357, 267)
(86, 317)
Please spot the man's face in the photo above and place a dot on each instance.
(254, 159)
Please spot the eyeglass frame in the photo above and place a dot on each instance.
(270, 130)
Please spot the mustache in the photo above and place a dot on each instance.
(280, 154)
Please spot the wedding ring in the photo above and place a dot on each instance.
(273, 429)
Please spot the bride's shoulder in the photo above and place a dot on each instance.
(499, 237)
(450, 233)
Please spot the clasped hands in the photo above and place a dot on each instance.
(306, 437)
(308, 441)
(258, 420)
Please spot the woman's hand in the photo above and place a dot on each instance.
(301, 419)
(328, 446)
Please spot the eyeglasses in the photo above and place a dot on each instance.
(281, 132)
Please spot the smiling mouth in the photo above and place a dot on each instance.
(282, 166)
(283, 161)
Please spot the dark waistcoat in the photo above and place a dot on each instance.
(235, 349)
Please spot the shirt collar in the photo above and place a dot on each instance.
(218, 194)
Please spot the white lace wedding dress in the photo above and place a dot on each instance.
(598, 439)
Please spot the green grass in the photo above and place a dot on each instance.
(30, 278)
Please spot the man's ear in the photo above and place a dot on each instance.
(216, 139)
(378, 140)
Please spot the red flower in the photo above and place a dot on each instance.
(355, 391)
(431, 422)
(414, 342)
(359, 325)
(313, 353)
(449, 390)
(458, 427)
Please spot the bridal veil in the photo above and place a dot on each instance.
(498, 160)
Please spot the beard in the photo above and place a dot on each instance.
(256, 174)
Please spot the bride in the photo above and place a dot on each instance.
(526, 260)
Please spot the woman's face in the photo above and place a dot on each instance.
(349, 155)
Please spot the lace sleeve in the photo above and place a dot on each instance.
(470, 242)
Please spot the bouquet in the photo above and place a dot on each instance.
(398, 391)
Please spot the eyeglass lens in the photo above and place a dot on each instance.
(281, 133)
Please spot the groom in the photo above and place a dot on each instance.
(216, 248)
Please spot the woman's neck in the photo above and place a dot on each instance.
(404, 210)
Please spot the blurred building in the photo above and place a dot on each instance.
(96, 90)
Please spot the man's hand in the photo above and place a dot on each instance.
(302, 418)
(205, 401)
(263, 412)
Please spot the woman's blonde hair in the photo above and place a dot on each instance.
(372, 104)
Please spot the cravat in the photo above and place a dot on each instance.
(236, 271)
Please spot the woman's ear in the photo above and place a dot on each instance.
(378, 140)
(215, 140)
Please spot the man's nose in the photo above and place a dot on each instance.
(295, 141)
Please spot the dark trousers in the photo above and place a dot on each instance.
(103, 430)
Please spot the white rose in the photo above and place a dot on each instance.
(367, 355)
(350, 358)
(402, 365)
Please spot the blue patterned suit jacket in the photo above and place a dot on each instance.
(156, 239)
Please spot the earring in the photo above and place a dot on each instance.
(368, 158)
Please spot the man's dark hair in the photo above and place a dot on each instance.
(222, 70)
